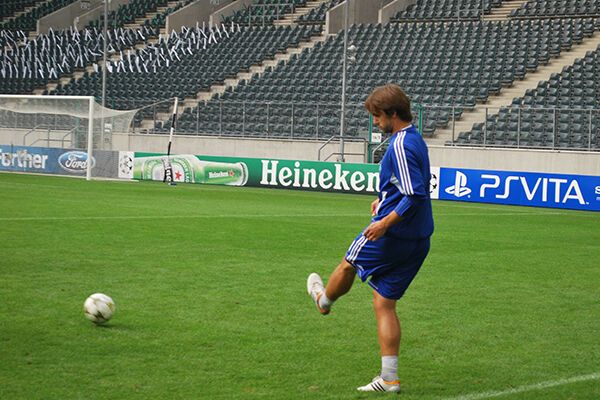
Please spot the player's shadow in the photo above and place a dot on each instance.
(115, 327)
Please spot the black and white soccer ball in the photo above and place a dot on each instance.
(99, 308)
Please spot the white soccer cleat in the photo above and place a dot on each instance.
(315, 288)
(380, 385)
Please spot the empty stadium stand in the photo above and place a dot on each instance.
(317, 14)
(56, 55)
(153, 12)
(27, 21)
(453, 65)
(11, 7)
(563, 112)
(432, 10)
(159, 20)
(195, 72)
(262, 12)
(553, 8)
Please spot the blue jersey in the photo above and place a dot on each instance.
(404, 176)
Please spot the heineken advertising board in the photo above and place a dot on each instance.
(288, 174)
(497, 187)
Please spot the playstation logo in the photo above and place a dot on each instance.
(460, 188)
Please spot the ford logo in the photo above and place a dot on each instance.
(75, 161)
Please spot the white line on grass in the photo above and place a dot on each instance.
(206, 216)
(513, 208)
(209, 216)
(528, 388)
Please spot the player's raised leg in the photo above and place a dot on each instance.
(315, 288)
(340, 282)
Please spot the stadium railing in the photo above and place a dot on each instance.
(512, 126)
(549, 128)
(291, 120)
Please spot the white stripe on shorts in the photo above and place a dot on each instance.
(356, 248)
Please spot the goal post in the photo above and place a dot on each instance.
(90, 137)
(64, 135)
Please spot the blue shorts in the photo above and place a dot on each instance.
(391, 263)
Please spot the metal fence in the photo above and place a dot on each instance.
(515, 126)
(294, 120)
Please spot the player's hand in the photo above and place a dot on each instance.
(374, 206)
(375, 230)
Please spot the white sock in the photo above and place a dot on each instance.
(324, 302)
(389, 368)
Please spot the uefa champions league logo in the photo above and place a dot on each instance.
(126, 164)
(433, 183)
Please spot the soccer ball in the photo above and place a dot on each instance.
(99, 308)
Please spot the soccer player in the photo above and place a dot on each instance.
(391, 250)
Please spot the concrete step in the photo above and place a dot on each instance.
(78, 74)
(503, 13)
(289, 19)
(65, 79)
(140, 21)
(147, 124)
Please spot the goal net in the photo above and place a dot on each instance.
(64, 135)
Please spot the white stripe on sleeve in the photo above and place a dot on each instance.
(402, 164)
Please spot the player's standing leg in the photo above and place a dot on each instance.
(388, 333)
(388, 325)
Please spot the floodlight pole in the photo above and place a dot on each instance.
(104, 53)
(341, 157)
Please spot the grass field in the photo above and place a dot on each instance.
(209, 284)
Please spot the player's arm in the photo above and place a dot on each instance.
(374, 206)
(406, 168)
(378, 229)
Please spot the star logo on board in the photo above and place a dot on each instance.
(178, 175)
(433, 183)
